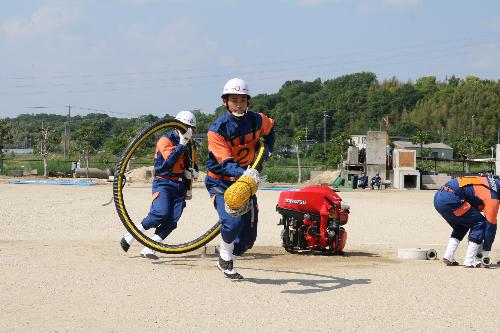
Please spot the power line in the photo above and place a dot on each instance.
(259, 75)
(349, 62)
(476, 39)
(82, 108)
(100, 110)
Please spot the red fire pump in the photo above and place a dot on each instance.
(312, 219)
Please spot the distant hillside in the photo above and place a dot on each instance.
(353, 104)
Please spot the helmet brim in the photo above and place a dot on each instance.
(225, 95)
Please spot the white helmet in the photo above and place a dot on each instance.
(186, 117)
(236, 87)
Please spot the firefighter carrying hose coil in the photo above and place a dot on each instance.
(174, 167)
(233, 141)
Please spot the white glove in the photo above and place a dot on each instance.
(254, 174)
(245, 208)
(184, 138)
(191, 173)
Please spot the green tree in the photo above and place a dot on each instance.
(355, 103)
(202, 153)
(421, 138)
(46, 142)
(5, 139)
(341, 143)
(406, 129)
(297, 139)
(203, 120)
(88, 139)
(468, 147)
(117, 144)
(336, 150)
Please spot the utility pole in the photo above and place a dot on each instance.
(472, 125)
(67, 134)
(44, 142)
(41, 141)
(324, 132)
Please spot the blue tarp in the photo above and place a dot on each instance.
(52, 182)
(277, 188)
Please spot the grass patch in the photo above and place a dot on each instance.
(285, 174)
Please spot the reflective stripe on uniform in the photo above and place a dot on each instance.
(462, 209)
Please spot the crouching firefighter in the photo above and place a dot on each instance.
(172, 170)
(460, 201)
(232, 142)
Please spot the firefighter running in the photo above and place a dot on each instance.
(232, 142)
(169, 188)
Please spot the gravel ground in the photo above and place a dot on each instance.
(62, 269)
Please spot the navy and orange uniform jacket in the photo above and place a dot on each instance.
(232, 142)
(481, 193)
(170, 156)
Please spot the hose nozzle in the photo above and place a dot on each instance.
(486, 261)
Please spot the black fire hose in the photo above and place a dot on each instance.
(118, 195)
(119, 183)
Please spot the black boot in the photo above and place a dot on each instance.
(125, 246)
(227, 268)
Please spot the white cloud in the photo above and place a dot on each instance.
(368, 6)
(227, 61)
(210, 44)
(402, 3)
(486, 58)
(253, 43)
(491, 24)
(175, 43)
(314, 2)
(44, 20)
(147, 2)
(310, 3)
(142, 2)
(183, 37)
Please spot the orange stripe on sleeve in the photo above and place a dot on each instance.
(155, 195)
(218, 146)
(490, 204)
(471, 180)
(491, 211)
(165, 147)
(462, 209)
(267, 124)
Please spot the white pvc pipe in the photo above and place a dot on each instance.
(417, 254)
(431, 254)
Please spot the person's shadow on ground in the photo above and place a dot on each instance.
(179, 259)
(307, 283)
(314, 285)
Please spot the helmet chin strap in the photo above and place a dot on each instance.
(238, 115)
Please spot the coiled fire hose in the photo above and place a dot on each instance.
(119, 198)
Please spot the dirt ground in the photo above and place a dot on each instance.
(62, 269)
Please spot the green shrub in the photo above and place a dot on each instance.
(284, 175)
(10, 165)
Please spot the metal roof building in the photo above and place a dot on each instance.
(438, 149)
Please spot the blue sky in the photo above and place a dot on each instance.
(132, 57)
